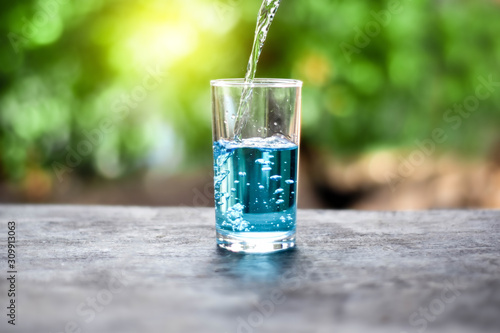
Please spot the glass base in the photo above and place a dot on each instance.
(256, 242)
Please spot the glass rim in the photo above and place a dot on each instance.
(258, 82)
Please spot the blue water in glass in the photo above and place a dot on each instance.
(255, 187)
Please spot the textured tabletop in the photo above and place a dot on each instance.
(139, 269)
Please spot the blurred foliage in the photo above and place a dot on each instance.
(66, 66)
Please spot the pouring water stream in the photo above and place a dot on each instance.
(265, 18)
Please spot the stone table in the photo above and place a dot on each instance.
(140, 269)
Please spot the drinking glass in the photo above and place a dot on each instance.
(255, 169)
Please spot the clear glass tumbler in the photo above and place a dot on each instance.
(255, 172)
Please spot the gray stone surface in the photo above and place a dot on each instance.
(139, 269)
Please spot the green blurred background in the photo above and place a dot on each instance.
(109, 101)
